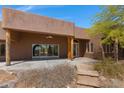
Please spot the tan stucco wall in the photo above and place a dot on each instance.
(18, 20)
(13, 19)
(97, 50)
(80, 33)
(2, 33)
(82, 47)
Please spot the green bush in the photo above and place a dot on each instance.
(110, 69)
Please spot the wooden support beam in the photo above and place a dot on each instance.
(70, 47)
(8, 43)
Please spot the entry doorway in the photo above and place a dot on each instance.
(76, 49)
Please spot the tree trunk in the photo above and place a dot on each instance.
(116, 50)
(103, 53)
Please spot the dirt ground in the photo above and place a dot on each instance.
(6, 76)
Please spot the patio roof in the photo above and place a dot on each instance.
(18, 20)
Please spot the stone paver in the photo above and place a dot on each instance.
(88, 73)
(87, 77)
(85, 66)
(88, 81)
(83, 86)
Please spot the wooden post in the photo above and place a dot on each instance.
(70, 47)
(8, 42)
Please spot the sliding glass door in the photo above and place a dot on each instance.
(52, 50)
(76, 50)
(45, 50)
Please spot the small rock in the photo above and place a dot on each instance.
(115, 83)
(102, 78)
(12, 83)
(9, 84)
(11, 73)
(5, 85)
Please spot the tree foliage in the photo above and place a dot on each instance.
(109, 23)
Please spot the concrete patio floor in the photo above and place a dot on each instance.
(37, 64)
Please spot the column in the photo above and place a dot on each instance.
(70, 47)
(8, 43)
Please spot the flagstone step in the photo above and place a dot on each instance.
(88, 73)
(84, 67)
(88, 81)
(84, 86)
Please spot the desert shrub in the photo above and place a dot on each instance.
(57, 77)
(110, 69)
(112, 83)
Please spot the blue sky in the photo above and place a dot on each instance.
(81, 15)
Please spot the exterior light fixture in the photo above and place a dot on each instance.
(49, 37)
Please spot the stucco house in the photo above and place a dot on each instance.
(25, 36)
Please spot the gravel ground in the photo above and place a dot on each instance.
(8, 73)
(26, 65)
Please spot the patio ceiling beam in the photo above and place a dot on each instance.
(70, 47)
(8, 43)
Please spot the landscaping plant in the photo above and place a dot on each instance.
(59, 76)
(110, 69)
(109, 24)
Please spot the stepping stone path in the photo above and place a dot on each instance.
(87, 77)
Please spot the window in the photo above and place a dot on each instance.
(45, 50)
(107, 48)
(2, 49)
(89, 47)
(76, 49)
(52, 50)
(36, 49)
